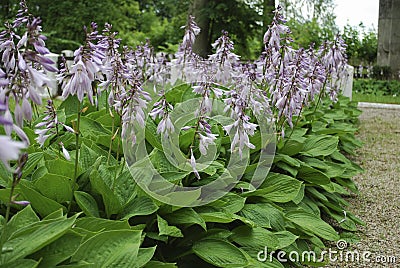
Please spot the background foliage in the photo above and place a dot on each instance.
(137, 20)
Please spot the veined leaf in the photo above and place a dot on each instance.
(165, 229)
(98, 224)
(55, 187)
(278, 188)
(110, 249)
(312, 224)
(39, 202)
(186, 216)
(254, 237)
(29, 242)
(220, 253)
(139, 206)
(59, 250)
(257, 214)
(320, 145)
(87, 203)
(312, 175)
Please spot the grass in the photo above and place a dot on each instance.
(360, 97)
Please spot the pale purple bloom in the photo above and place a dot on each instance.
(87, 67)
(205, 141)
(49, 125)
(10, 150)
(65, 152)
(162, 110)
(193, 164)
(79, 83)
(21, 203)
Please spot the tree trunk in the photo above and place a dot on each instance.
(268, 7)
(388, 37)
(202, 44)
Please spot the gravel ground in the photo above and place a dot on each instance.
(378, 204)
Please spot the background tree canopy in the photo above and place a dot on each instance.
(246, 21)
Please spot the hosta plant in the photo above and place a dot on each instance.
(194, 162)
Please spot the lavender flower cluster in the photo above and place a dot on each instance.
(23, 76)
(277, 85)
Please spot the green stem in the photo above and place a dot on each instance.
(77, 133)
(111, 141)
(7, 216)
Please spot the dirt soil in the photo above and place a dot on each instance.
(378, 204)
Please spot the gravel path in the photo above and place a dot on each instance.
(378, 204)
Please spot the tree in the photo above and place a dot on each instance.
(198, 9)
(242, 19)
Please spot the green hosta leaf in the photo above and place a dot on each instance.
(33, 160)
(312, 224)
(29, 242)
(139, 206)
(257, 214)
(278, 188)
(110, 199)
(54, 186)
(59, 250)
(165, 229)
(110, 249)
(70, 105)
(254, 237)
(55, 215)
(292, 146)
(61, 167)
(98, 224)
(286, 159)
(174, 95)
(300, 195)
(316, 194)
(87, 157)
(320, 146)
(285, 238)
(230, 202)
(23, 218)
(39, 202)
(91, 127)
(87, 203)
(312, 175)
(151, 134)
(21, 263)
(220, 253)
(291, 170)
(144, 256)
(38, 173)
(213, 215)
(158, 264)
(4, 175)
(186, 216)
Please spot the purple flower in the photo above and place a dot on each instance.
(10, 150)
(193, 165)
(50, 123)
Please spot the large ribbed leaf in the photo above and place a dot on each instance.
(220, 253)
(312, 224)
(278, 188)
(110, 249)
(254, 237)
(35, 238)
(320, 145)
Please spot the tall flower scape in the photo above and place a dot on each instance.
(113, 94)
(279, 84)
